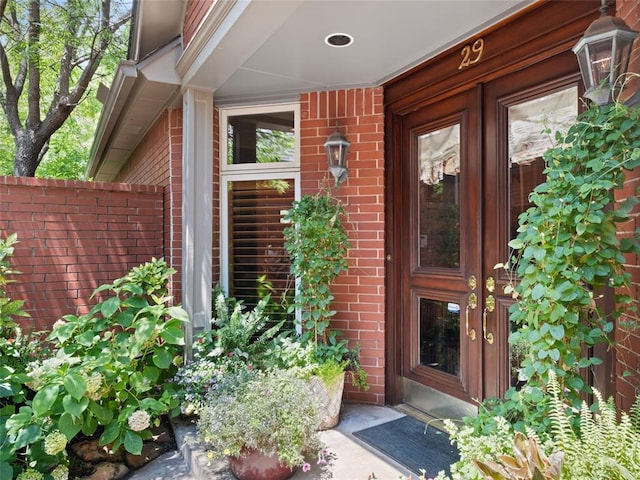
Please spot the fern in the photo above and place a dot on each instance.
(604, 449)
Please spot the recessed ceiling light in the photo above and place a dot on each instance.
(339, 40)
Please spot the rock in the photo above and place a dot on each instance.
(162, 434)
(91, 452)
(150, 451)
(108, 471)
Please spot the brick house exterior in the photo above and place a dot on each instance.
(169, 153)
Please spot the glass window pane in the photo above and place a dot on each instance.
(529, 125)
(261, 138)
(439, 184)
(440, 335)
(258, 262)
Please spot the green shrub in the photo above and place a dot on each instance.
(107, 376)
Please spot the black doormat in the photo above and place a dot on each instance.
(406, 441)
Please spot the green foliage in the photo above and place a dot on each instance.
(526, 463)
(103, 378)
(239, 343)
(602, 446)
(9, 309)
(273, 413)
(317, 244)
(567, 249)
(54, 62)
(594, 446)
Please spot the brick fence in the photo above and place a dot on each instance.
(73, 237)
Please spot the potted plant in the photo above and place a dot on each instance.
(317, 244)
(266, 426)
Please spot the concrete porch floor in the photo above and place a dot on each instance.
(350, 459)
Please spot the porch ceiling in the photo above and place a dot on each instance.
(275, 49)
(259, 51)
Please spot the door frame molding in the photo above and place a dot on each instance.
(517, 42)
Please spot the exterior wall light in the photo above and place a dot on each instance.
(337, 147)
(603, 54)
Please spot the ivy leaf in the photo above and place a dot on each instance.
(557, 332)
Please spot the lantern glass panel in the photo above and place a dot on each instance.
(600, 53)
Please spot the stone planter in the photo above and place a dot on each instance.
(254, 465)
(330, 398)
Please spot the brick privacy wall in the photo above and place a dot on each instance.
(193, 15)
(73, 237)
(628, 339)
(157, 160)
(359, 294)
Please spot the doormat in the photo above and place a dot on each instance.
(406, 441)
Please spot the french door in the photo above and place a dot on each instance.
(467, 164)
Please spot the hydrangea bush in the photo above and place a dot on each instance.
(107, 376)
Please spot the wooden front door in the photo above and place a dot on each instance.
(464, 163)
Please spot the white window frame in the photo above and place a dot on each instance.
(251, 171)
(255, 167)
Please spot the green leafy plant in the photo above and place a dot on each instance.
(317, 243)
(239, 341)
(591, 442)
(526, 463)
(606, 443)
(107, 376)
(9, 309)
(272, 413)
(566, 255)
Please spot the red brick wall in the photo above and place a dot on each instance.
(628, 349)
(75, 236)
(194, 13)
(359, 295)
(158, 161)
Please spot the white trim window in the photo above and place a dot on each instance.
(258, 182)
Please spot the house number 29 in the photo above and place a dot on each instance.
(471, 53)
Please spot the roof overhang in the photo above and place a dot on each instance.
(265, 51)
(140, 92)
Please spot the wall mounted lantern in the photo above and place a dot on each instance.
(603, 54)
(337, 147)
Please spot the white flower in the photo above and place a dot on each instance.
(61, 472)
(59, 323)
(94, 382)
(139, 421)
(30, 474)
(55, 442)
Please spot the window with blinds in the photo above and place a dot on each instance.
(258, 262)
(259, 170)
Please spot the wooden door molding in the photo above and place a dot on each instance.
(523, 40)
(531, 35)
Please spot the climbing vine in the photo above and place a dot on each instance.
(567, 251)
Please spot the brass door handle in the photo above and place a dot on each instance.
(471, 333)
(488, 336)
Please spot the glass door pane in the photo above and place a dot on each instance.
(439, 234)
(531, 130)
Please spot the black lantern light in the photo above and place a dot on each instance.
(603, 54)
(337, 147)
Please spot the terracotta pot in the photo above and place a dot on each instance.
(254, 465)
(330, 398)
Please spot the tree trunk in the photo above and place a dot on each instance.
(29, 152)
